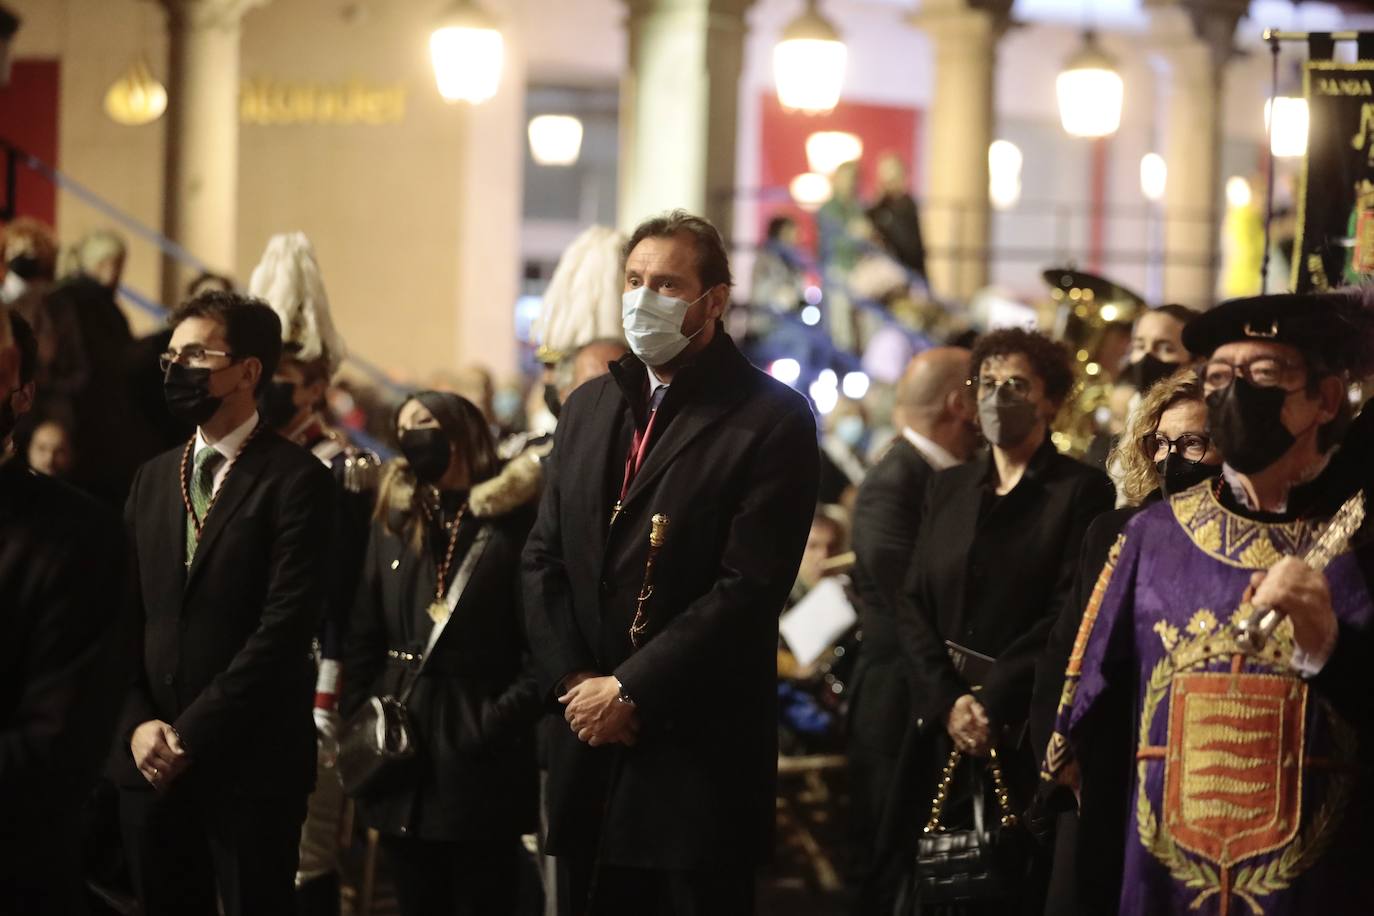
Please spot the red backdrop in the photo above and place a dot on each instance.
(28, 119)
(882, 128)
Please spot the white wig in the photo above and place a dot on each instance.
(288, 278)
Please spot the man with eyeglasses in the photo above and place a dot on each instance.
(1246, 790)
(230, 535)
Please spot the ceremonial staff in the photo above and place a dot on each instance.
(658, 529)
(1254, 631)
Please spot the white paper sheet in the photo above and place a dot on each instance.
(816, 621)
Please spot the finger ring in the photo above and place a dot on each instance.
(155, 772)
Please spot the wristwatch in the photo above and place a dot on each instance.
(624, 697)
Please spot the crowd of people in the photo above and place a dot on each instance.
(554, 613)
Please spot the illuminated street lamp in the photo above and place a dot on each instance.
(1004, 174)
(137, 97)
(555, 139)
(1090, 91)
(808, 63)
(827, 150)
(810, 190)
(1286, 118)
(467, 51)
(1154, 176)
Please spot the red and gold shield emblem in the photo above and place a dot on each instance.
(1233, 768)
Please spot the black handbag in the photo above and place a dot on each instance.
(982, 863)
(377, 741)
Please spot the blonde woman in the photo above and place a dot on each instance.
(1164, 450)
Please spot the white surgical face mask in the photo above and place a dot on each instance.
(12, 288)
(653, 324)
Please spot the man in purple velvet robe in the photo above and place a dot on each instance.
(1250, 769)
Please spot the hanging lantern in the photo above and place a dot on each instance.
(808, 63)
(827, 150)
(810, 190)
(555, 139)
(467, 51)
(1090, 92)
(1285, 117)
(136, 98)
(1154, 176)
(1004, 174)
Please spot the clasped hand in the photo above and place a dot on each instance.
(158, 753)
(595, 713)
(968, 726)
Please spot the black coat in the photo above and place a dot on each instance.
(225, 649)
(898, 223)
(1089, 856)
(887, 516)
(62, 662)
(991, 573)
(733, 465)
(473, 709)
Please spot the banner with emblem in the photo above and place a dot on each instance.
(1335, 233)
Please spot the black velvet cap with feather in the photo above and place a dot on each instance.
(1335, 330)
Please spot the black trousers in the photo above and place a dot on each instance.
(195, 844)
(612, 890)
(455, 879)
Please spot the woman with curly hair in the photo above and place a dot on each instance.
(992, 567)
(1164, 450)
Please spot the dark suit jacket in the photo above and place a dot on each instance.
(992, 577)
(733, 466)
(474, 707)
(225, 650)
(62, 574)
(887, 515)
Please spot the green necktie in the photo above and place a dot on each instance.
(202, 493)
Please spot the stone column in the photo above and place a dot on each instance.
(1193, 42)
(200, 203)
(956, 214)
(679, 108)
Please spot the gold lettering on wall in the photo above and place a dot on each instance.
(265, 101)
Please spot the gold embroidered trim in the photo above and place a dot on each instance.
(1056, 753)
(1234, 539)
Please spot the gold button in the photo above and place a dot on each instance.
(395, 563)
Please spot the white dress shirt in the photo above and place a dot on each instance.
(657, 389)
(935, 455)
(228, 447)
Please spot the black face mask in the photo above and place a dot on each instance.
(187, 393)
(1177, 475)
(428, 452)
(1243, 420)
(277, 404)
(1143, 374)
(551, 400)
(25, 266)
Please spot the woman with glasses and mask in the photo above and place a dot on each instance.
(1164, 451)
(445, 548)
(993, 565)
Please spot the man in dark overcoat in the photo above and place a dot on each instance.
(661, 782)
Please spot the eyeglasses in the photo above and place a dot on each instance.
(1264, 372)
(1191, 447)
(193, 355)
(1018, 387)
